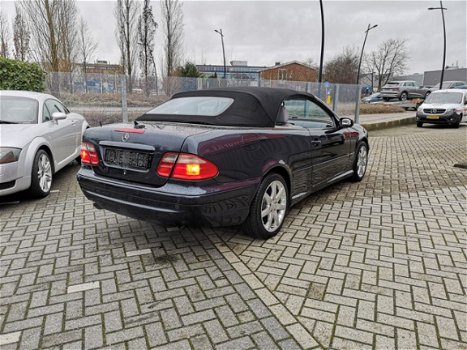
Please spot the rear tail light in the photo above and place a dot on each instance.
(89, 154)
(186, 166)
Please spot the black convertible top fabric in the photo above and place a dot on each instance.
(252, 106)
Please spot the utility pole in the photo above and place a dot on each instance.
(363, 48)
(223, 49)
(444, 32)
(320, 76)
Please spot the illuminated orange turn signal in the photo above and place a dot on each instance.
(185, 166)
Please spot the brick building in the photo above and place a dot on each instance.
(293, 71)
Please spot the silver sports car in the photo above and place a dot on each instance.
(38, 137)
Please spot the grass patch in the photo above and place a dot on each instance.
(368, 108)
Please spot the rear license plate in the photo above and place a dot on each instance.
(127, 159)
(432, 117)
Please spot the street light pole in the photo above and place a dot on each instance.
(444, 32)
(223, 49)
(320, 76)
(363, 47)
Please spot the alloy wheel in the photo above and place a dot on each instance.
(362, 161)
(273, 206)
(44, 173)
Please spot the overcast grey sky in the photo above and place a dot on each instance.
(264, 32)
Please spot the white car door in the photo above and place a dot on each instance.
(61, 132)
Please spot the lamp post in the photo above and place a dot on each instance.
(363, 47)
(320, 76)
(444, 32)
(223, 49)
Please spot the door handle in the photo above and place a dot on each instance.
(316, 141)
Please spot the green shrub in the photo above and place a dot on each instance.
(18, 75)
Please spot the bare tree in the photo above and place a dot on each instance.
(172, 16)
(68, 33)
(389, 59)
(146, 32)
(343, 67)
(53, 31)
(21, 35)
(4, 36)
(126, 13)
(86, 47)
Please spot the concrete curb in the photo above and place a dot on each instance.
(389, 124)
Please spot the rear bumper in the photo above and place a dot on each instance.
(170, 204)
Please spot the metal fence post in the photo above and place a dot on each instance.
(357, 105)
(124, 100)
(335, 99)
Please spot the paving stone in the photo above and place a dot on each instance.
(380, 264)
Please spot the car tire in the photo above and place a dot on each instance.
(41, 176)
(360, 163)
(403, 96)
(419, 124)
(386, 99)
(269, 208)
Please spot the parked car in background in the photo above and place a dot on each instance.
(403, 90)
(376, 97)
(222, 157)
(447, 107)
(38, 137)
(448, 85)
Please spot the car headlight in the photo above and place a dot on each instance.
(420, 109)
(9, 154)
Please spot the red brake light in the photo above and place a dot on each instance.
(88, 154)
(166, 164)
(186, 166)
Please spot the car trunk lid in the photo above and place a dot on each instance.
(133, 154)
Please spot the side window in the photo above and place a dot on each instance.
(54, 106)
(45, 114)
(65, 110)
(308, 114)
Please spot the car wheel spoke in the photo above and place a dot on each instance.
(265, 211)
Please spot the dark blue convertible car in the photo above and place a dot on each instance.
(221, 157)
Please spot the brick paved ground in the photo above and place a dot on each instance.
(379, 264)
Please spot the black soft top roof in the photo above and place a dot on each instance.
(252, 106)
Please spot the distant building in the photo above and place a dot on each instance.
(236, 70)
(450, 74)
(292, 71)
(102, 67)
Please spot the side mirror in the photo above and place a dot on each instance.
(345, 122)
(58, 116)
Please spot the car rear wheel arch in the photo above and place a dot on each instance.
(282, 171)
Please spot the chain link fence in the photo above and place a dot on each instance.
(105, 98)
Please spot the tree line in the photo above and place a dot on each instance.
(389, 59)
(53, 33)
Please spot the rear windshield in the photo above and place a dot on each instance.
(18, 110)
(444, 97)
(190, 106)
